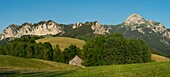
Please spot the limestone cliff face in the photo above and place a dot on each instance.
(76, 25)
(99, 29)
(39, 29)
(10, 31)
(95, 26)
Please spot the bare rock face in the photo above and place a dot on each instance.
(39, 29)
(134, 19)
(98, 29)
(47, 28)
(95, 26)
(10, 31)
(77, 25)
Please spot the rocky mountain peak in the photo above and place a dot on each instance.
(134, 19)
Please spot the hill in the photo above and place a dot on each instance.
(153, 69)
(62, 41)
(15, 66)
(11, 64)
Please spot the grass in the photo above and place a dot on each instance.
(16, 66)
(153, 69)
(22, 65)
(62, 41)
(159, 58)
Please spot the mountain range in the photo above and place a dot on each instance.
(154, 33)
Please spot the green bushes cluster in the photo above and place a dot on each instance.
(115, 49)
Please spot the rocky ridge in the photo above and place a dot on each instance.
(95, 26)
(47, 28)
(39, 29)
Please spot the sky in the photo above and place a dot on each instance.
(72, 11)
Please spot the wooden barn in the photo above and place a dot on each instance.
(76, 61)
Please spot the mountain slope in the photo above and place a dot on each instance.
(154, 33)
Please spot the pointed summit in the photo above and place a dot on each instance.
(134, 19)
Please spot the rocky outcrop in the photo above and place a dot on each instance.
(98, 29)
(95, 26)
(77, 25)
(38, 29)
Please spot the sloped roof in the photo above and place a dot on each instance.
(76, 61)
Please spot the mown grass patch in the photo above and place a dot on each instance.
(159, 58)
(63, 42)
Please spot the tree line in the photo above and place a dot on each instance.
(28, 48)
(103, 50)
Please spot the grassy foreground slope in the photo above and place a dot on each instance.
(18, 64)
(15, 66)
(154, 69)
(62, 41)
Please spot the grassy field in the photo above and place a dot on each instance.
(16, 66)
(62, 41)
(11, 64)
(159, 58)
(153, 69)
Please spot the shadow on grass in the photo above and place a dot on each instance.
(37, 74)
(6, 73)
(49, 74)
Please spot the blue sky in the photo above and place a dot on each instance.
(72, 11)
